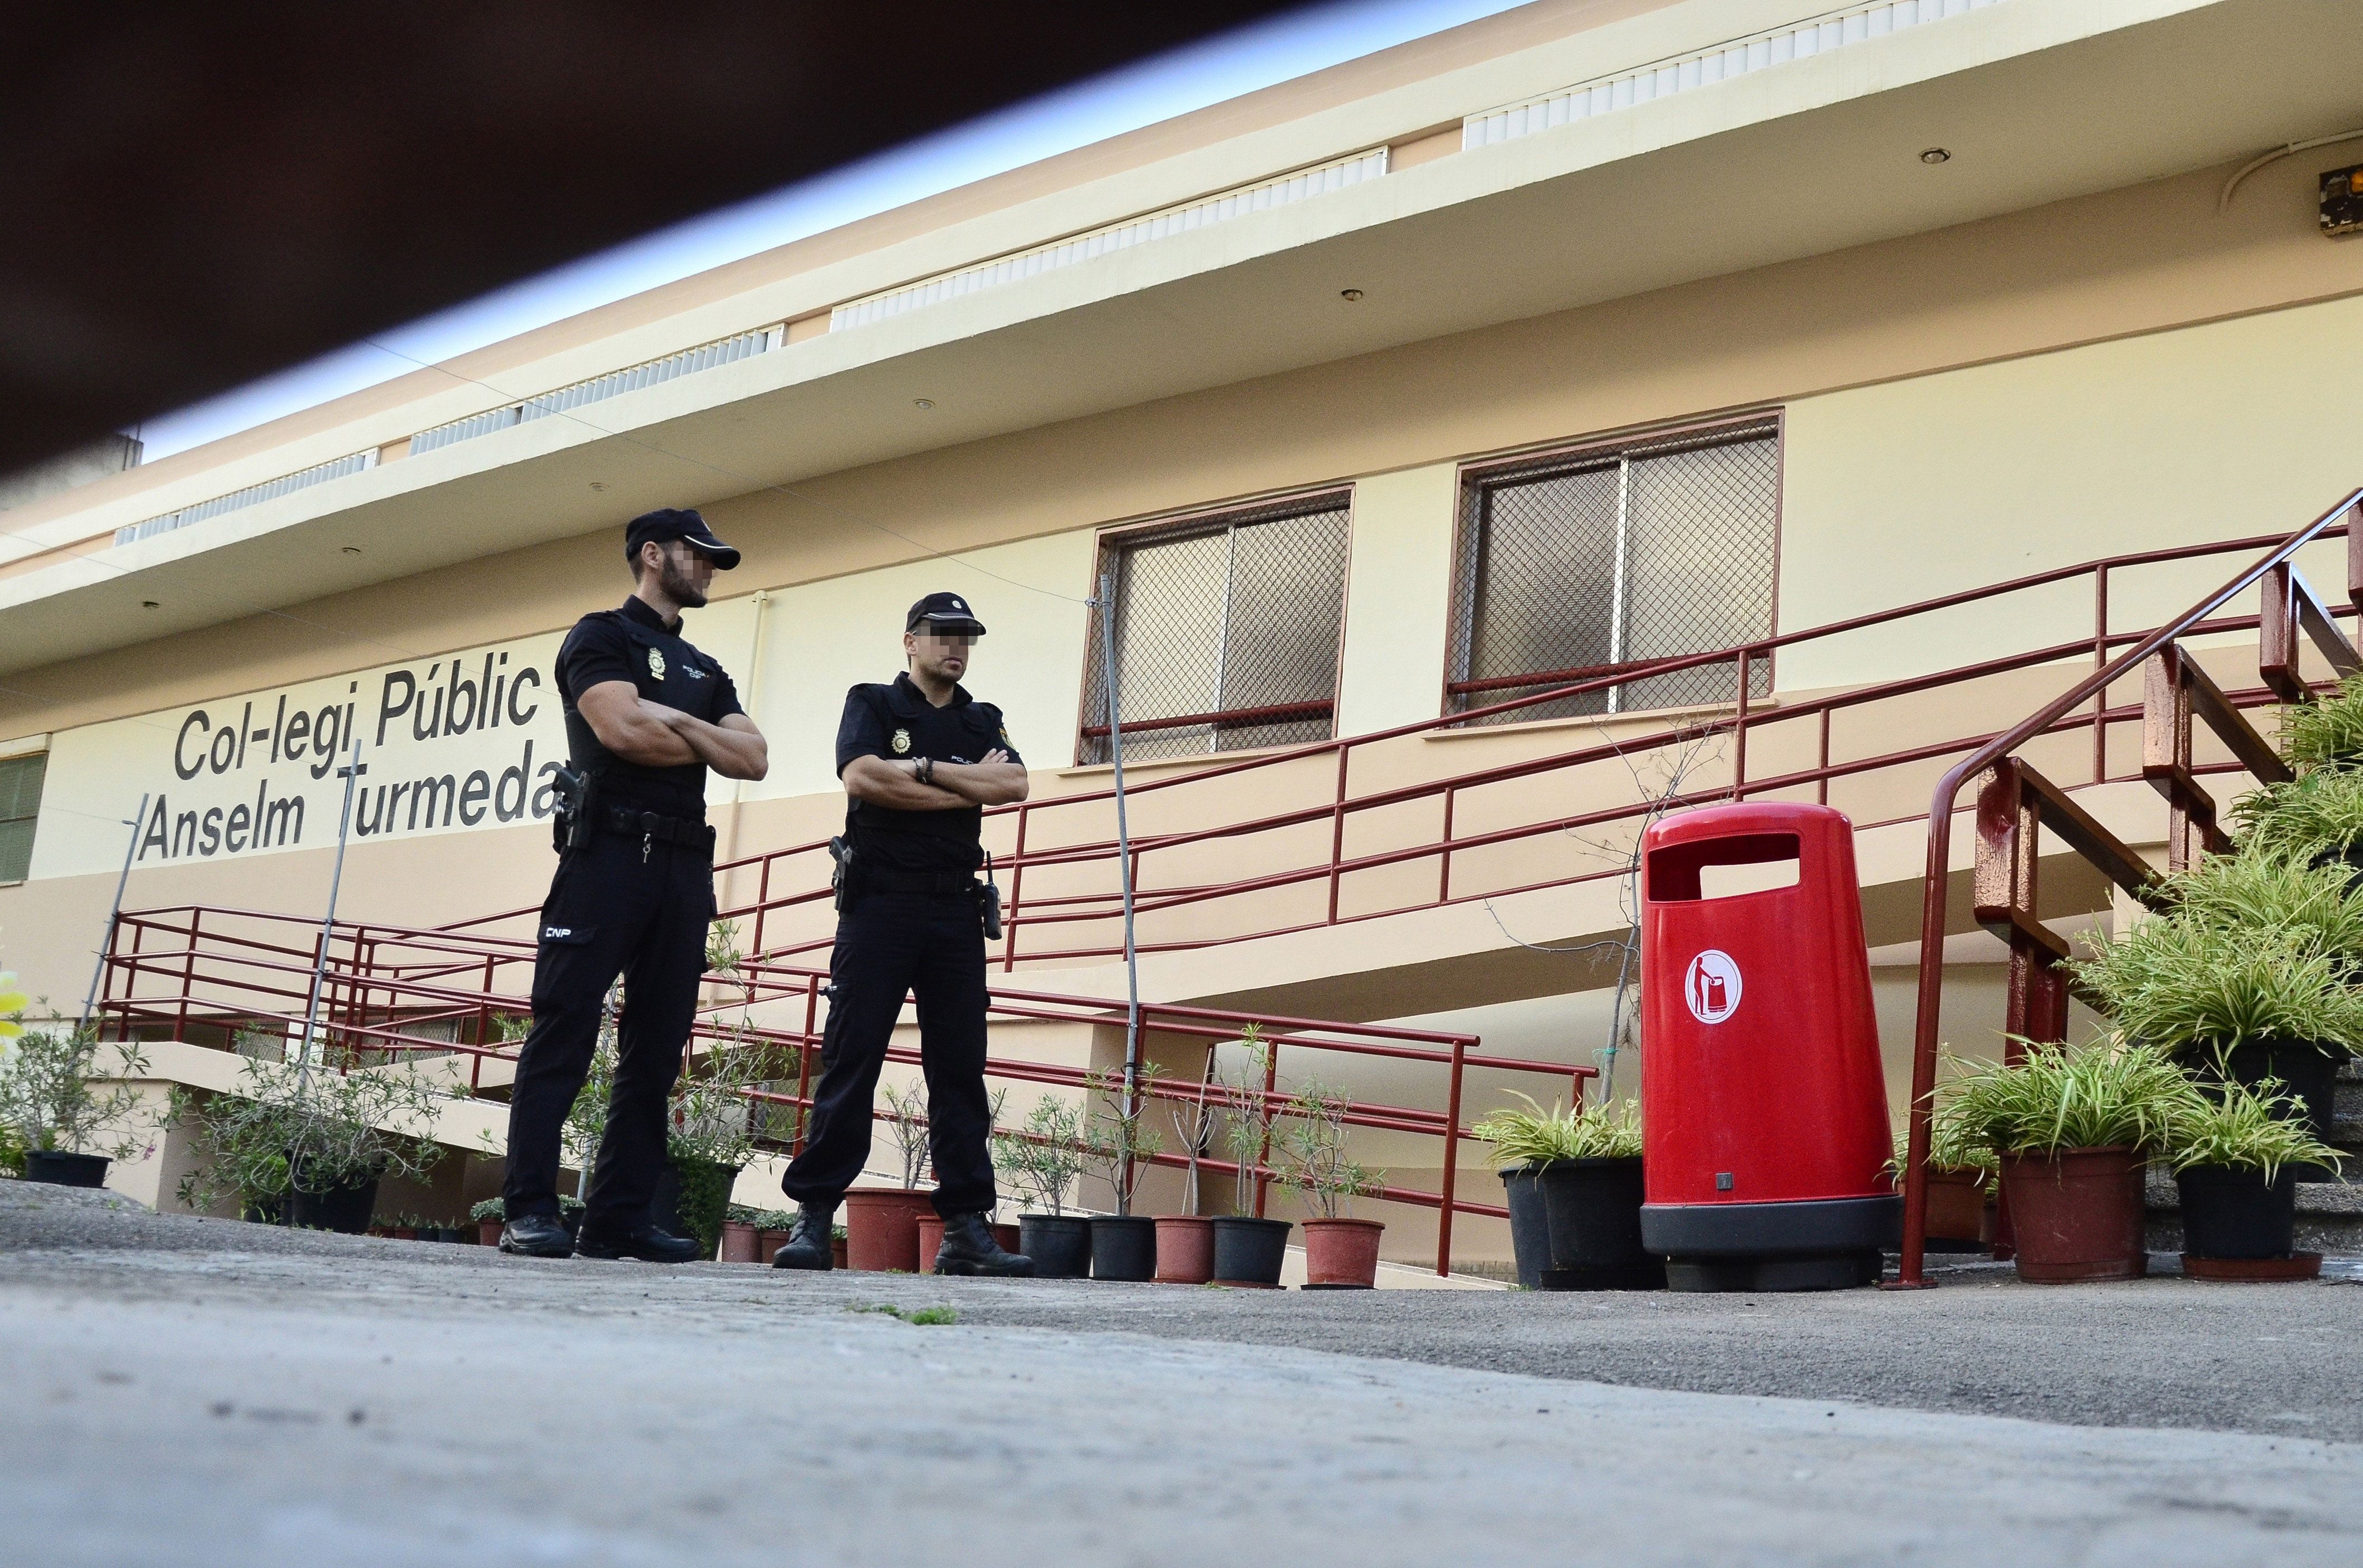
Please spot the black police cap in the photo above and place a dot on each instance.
(671, 523)
(944, 612)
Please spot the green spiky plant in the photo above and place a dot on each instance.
(2106, 1095)
(2246, 1127)
(2202, 985)
(2329, 733)
(1537, 1137)
(2319, 811)
(2268, 890)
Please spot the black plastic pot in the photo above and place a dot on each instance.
(2228, 1212)
(1059, 1244)
(1124, 1248)
(1529, 1226)
(60, 1169)
(2308, 1074)
(1249, 1251)
(346, 1209)
(691, 1199)
(1593, 1209)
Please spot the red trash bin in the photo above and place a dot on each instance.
(1767, 1136)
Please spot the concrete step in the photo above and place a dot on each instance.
(2329, 1213)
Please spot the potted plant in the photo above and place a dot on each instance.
(1249, 1249)
(67, 1126)
(882, 1224)
(1042, 1159)
(1524, 1141)
(1340, 1251)
(312, 1136)
(1118, 1144)
(771, 1228)
(2235, 1153)
(711, 1138)
(740, 1235)
(1185, 1241)
(1961, 1183)
(1588, 1177)
(2248, 974)
(489, 1216)
(2070, 1128)
(2316, 817)
(2326, 734)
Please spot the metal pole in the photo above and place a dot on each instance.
(114, 914)
(1124, 870)
(329, 920)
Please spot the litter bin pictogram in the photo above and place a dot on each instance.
(1766, 1140)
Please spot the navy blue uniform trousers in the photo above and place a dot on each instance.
(890, 946)
(612, 910)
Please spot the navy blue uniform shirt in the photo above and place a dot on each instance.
(897, 722)
(635, 644)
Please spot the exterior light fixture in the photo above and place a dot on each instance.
(1936, 155)
(922, 403)
(1349, 295)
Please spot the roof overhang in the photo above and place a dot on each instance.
(2040, 100)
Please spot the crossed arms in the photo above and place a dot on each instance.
(996, 781)
(655, 736)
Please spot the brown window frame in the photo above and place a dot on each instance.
(1111, 541)
(1478, 476)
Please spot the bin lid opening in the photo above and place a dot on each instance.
(1722, 868)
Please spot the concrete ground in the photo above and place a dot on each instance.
(204, 1392)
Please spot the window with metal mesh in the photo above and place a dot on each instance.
(20, 806)
(1584, 564)
(1226, 632)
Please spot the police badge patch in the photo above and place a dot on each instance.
(901, 741)
(656, 663)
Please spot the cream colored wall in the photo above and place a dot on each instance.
(1919, 487)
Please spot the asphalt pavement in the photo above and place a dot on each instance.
(204, 1391)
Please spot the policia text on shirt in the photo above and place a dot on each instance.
(920, 760)
(646, 716)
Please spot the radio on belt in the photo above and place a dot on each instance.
(1766, 1135)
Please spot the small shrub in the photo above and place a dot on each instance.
(1043, 1157)
(2248, 1129)
(2313, 812)
(1538, 1137)
(2103, 1096)
(62, 1089)
(1312, 1141)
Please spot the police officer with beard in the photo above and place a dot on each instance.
(920, 760)
(646, 716)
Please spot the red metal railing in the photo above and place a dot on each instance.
(785, 917)
(193, 968)
(2016, 803)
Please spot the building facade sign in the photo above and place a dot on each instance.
(452, 744)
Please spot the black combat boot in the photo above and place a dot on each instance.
(649, 1243)
(808, 1243)
(537, 1236)
(969, 1249)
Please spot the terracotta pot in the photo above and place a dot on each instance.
(739, 1242)
(488, 1232)
(881, 1227)
(2077, 1214)
(836, 1253)
(1185, 1250)
(406, 1233)
(768, 1243)
(931, 1240)
(1957, 1210)
(1341, 1255)
(1006, 1238)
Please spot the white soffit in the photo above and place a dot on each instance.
(1740, 57)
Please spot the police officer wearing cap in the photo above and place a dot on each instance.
(920, 760)
(646, 716)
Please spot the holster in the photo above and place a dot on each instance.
(841, 872)
(576, 820)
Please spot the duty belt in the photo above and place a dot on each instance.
(942, 884)
(649, 827)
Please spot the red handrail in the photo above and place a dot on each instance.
(1945, 800)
